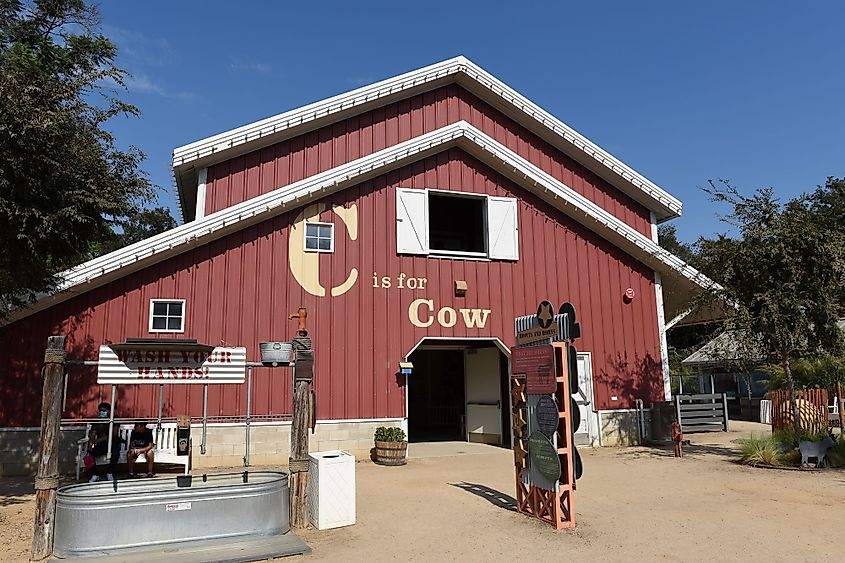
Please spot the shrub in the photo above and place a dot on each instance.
(760, 451)
(389, 434)
(790, 439)
(836, 454)
(791, 457)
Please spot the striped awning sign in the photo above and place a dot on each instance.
(170, 365)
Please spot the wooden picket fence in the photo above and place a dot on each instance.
(812, 409)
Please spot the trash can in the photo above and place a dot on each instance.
(331, 489)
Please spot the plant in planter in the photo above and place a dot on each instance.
(391, 447)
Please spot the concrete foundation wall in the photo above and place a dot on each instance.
(619, 428)
(19, 450)
(268, 445)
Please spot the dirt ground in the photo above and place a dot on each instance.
(632, 504)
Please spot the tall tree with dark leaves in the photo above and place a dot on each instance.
(64, 182)
(784, 272)
(137, 227)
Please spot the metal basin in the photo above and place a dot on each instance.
(93, 518)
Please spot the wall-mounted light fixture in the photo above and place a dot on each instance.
(460, 288)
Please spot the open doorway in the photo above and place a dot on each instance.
(458, 392)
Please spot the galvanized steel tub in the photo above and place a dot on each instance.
(92, 518)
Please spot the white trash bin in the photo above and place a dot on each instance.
(331, 489)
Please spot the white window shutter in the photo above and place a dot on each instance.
(502, 230)
(411, 221)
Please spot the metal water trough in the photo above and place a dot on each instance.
(97, 518)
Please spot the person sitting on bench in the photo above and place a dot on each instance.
(140, 442)
(98, 445)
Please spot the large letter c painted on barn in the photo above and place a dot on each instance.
(305, 266)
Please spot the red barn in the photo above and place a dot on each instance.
(414, 218)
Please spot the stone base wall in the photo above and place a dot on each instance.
(619, 428)
(269, 444)
(19, 450)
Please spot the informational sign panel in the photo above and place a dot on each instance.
(543, 456)
(536, 334)
(538, 365)
(165, 365)
(548, 416)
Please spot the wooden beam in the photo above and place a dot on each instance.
(47, 474)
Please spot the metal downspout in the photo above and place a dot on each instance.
(204, 417)
(248, 412)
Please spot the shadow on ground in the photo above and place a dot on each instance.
(16, 490)
(666, 451)
(494, 497)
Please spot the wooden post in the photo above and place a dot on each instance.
(47, 474)
(298, 461)
(839, 404)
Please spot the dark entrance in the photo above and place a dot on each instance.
(459, 391)
(436, 401)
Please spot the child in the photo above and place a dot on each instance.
(140, 442)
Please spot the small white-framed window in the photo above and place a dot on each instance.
(167, 315)
(319, 237)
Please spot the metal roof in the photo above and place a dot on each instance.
(189, 159)
(724, 349)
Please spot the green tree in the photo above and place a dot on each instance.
(137, 227)
(64, 183)
(784, 273)
(667, 236)
(820, 372)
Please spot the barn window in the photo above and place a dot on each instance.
(455, 224)
(319, 237)
(167, 315)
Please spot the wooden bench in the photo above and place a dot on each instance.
(165, 447)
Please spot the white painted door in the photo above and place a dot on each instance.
(587, 432)
(483, 395)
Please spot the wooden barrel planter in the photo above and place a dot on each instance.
(391, 453)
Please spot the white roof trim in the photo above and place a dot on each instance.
(97, 272)
(457, 66)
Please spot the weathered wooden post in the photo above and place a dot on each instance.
(839, 408)
(47, 474)
(303, 375)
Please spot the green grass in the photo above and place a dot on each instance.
(760, 451)
(780, 449)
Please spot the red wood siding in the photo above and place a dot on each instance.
(262, 171)
(239, 290)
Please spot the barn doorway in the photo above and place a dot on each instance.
(458, 392)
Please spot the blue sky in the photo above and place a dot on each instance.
(683, 92)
